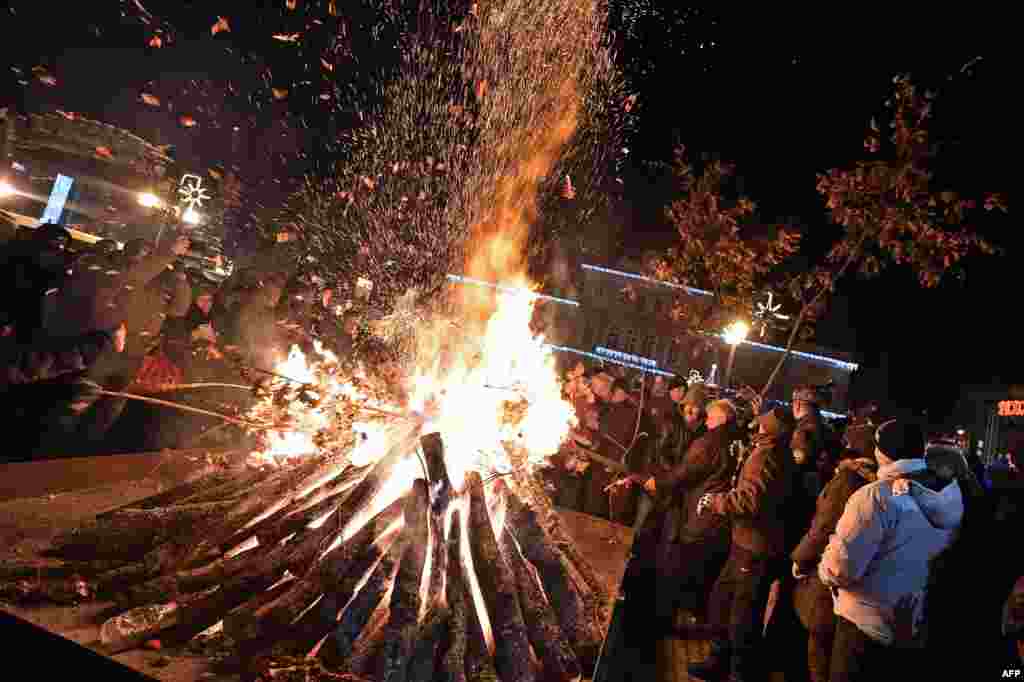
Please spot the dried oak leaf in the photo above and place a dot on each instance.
(220, 25)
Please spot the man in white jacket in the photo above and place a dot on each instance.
(877, 561)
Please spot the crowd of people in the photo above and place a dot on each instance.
(80, 323)
(845, 552)
(850, 552)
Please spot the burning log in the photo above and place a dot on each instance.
(399, 634)
(512, 649)
(358, 612)
(566, 589)
(132, 532)
(277, 493)
(453, 665)
(545, 635)
(337, 573)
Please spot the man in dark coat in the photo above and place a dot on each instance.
(33, 270)
(754, 506)
(811, 599)
(694, 547)
(140, 291)
(49, 385)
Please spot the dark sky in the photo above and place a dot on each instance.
(784, 93)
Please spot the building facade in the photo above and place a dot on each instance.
(636, 330)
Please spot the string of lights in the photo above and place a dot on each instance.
(832, 362)
(631, 275)
(604, 358)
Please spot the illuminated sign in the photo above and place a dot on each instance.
(1011, 408)
(58, 197)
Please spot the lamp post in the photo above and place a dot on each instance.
(734, 335)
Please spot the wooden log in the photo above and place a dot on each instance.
(231, 488)
(338, 572)
(497, 581)
(277, 493)
(70, 590)
(529, 488)
(181, 493)
(452, 667)
(281, 491)
(301, 513)
(130, 533)
(556, 656)
(424, 659)
(357, 614)
(21, 569)
(366, 652)
(566, 590)
(128, 630)
(403, 620)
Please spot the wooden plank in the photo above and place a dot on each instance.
(49, 477)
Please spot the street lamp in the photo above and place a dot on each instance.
(734, 335)
(149, 200)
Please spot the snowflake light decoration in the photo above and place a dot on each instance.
(766, 312)
(694, 377)
(192, 192)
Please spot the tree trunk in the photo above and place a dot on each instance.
(497, 581)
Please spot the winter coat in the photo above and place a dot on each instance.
(678, 441)
(146, 308)
(849, 477)
(883, 544)
(50, 358)
(812, 600)
(707, 467)
(757, 503)
(104, 293)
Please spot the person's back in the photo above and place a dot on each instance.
(878, 559)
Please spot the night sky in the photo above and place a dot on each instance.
(783, 93)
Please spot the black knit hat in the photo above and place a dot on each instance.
(900, 440)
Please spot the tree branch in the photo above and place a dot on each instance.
(806, 308)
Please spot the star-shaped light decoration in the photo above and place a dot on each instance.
(694, 377)
(192, 192)
(768, 312)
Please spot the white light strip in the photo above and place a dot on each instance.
(630, 275)
(840, 364)
(627, 357)
(509, 290)
(607, 359)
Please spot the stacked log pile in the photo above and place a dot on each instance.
(333, 569)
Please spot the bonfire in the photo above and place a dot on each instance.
(373, 540)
